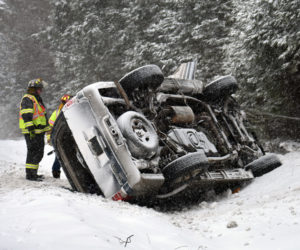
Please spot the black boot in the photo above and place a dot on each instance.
(56, 174)
(41, 176)
(31, 174)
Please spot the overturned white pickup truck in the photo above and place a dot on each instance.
(147, 135)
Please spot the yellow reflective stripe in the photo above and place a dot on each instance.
(32, 166)
(28, 124)
(31, 97)
(26, 111)
(48, 128)
(38, 131)
(37, 116)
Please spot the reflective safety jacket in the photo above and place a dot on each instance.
(52, 120)
(54, 115)
(32, 116)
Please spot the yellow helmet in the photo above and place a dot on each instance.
(65, 98)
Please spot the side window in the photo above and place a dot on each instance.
(109, 92)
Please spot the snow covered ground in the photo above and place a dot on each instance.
(46, 215)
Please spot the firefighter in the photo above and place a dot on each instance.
(63, 100)
(33, 124)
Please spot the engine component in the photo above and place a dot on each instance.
(182, 114)
(141, 137)
(190, 138)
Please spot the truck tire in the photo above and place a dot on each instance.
(220, 88)
(185, 165)
(145, 76)
(263, 165)
(141, 137)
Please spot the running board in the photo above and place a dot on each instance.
(226, 175)
(210, 177)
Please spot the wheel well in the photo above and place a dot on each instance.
(67, 152)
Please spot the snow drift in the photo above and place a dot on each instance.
(47, 215)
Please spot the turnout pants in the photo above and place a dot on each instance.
(56, 165)
(35, 150)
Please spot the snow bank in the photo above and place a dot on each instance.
(47, 215)
(266, 212)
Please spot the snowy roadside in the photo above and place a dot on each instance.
(265, 214)
(46, 215)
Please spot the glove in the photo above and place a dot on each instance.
(48, 136)
(49, 142)
(31, 134)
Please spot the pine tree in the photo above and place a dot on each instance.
(24, 57)
(265, 55)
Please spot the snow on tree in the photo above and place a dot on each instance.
(86, 41)
(265, 55)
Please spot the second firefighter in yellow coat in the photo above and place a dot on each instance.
(63, 100)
